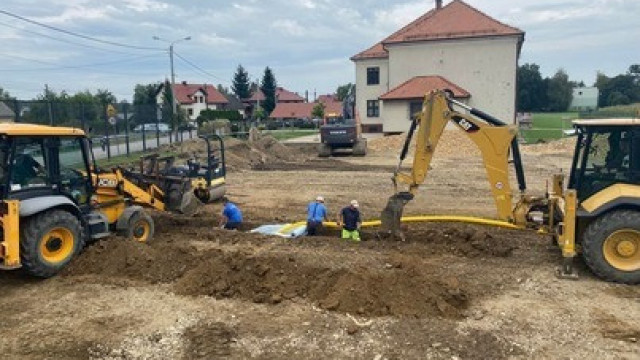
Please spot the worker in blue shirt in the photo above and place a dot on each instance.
(231, 215)
(316, 213)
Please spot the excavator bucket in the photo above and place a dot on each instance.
(392, 214)
(190, 204)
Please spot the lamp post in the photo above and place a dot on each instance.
(174, 105)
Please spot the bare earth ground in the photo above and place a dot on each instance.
(450, 291)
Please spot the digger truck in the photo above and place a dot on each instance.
(597, 213)
(54, 199)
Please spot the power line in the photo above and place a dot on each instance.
(199, 68)
(64, 40)
(60, 67)
(71, 33)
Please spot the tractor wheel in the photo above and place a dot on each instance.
(360, 148)
(324, 150)
(141, 227)
(611, 246)
(50, 240)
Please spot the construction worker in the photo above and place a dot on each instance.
(316, 212)
(231, 215)
(350, 221)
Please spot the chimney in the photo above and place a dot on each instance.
(438, 4)
(306, 96)
(184, 82)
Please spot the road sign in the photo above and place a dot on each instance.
(111, 111)
(112, 120)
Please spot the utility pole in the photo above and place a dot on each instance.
(174, 103)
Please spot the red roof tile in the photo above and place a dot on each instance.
(184, 93)
(302, 110)
(282, 94)
(454, 21)
(417, 87)
(327, 98)
(292, 110)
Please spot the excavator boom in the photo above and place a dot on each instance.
(494, 139)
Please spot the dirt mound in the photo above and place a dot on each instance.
(561, 146)
(402, 289)
(209, 340)
(460, 240)
(453, 143)
(119, 257)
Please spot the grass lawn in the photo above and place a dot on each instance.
(289, 134)
(124, 159)
(548, 126)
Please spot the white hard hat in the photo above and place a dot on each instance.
(320, 199)
(354, 203)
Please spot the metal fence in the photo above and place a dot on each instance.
(115, 129)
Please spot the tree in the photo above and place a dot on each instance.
(531, 92)
(343, 90)
(268, 87)
(240, 83)
(4, 95)
(559, 91)
(318, 111)
(144, 102)
(223, 90)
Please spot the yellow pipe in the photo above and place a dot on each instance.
(420, 218)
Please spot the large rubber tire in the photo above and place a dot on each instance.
(360, 148)
(49, 240)
(141, 227)
(324, 150)
(611, 246)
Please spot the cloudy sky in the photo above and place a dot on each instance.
(307, 43)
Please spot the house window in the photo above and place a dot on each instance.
(190, 112)
(373, 108)
(373, 76)
(415, 107)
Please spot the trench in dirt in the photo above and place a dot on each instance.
(196, 260)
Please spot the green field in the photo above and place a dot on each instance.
(548, 126)
(289, 134)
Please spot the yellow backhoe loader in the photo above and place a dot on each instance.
(598, 214)
(54, 199)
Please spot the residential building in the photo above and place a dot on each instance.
(282, 96)
(455, 47)
(194, 98)
(584, 99)
(296, 110)
(6, 114)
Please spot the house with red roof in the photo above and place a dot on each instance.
(282, 96)
(193, 98)
(455, 47)
(302, 110)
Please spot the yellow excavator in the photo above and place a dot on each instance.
(597, 214)
(54, 199)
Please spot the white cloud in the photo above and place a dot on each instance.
(289, 27)
(77, 12)
(144, 5)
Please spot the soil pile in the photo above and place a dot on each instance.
(120, 257)
(400, 289)
(562, 146)
(209, 340)
(460, 240)
(452, 143)
(240, 154)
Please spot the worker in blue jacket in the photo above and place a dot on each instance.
(231, 215)
(316, 213)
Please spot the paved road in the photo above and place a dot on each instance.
(134, 146)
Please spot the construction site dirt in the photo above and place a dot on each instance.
(450, 291)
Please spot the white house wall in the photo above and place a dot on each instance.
(366, 92)
(484, 67)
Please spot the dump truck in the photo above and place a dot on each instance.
(54, 199)
(597, 214)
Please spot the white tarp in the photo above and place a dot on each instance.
(284, 230)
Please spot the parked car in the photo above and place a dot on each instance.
(162, 127)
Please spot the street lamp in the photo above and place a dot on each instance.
(173, 77)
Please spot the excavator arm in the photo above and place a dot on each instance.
(493, 138)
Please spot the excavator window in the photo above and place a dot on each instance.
(30, 164)
(74, 176)
(606, 156)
